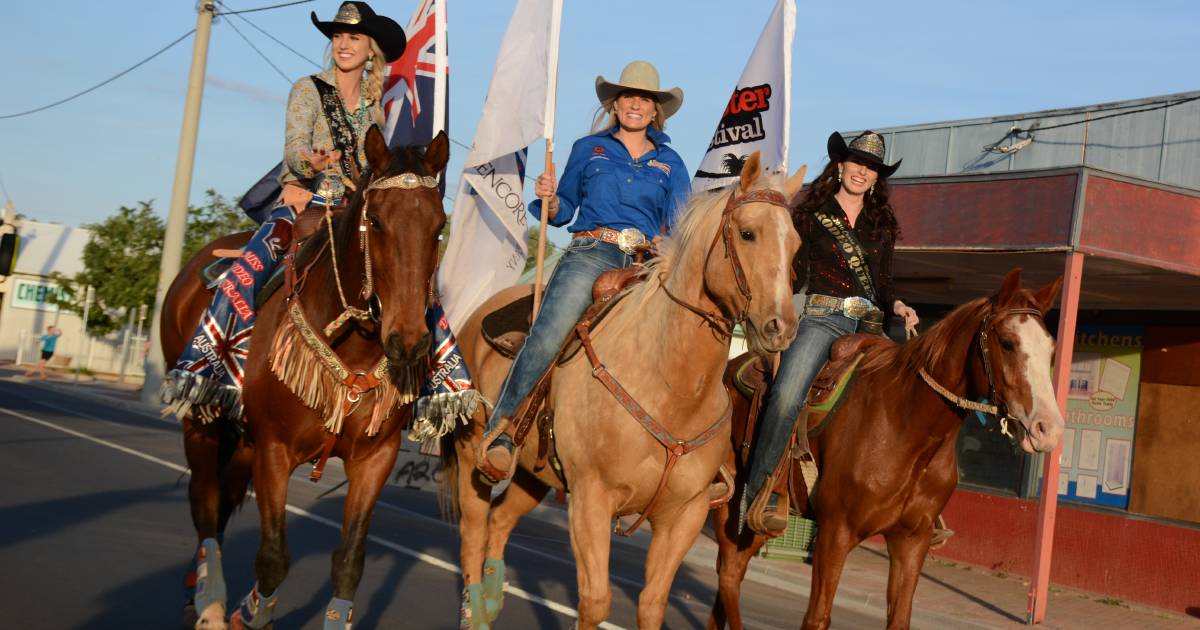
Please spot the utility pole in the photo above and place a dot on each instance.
(172, 251)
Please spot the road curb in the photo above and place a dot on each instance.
(140, 408)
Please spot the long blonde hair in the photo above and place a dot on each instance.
(371, 86)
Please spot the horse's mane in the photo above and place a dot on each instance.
(930, 348)
(697, 223)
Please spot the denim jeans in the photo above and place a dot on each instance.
(567, 296)
(798, 367)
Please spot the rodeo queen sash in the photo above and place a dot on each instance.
(851, 251)
(344, 138)
(448, 396)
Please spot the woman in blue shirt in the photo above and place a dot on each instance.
(621, 187)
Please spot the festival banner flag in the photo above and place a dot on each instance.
(487, 248)
(757, 116)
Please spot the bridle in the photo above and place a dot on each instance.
(374, 310)
(1000, 408)
(722, 324)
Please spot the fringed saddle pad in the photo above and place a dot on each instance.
(316, 375)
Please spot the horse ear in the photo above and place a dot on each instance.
(1048, 295)
(1010, 286)
(437, 153)
(750, 172)
(378, 154)
(795, 182)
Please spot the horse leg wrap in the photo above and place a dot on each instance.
(210, 579)
(255, 610)
(493, 588)
(471, 614)
(338, 614)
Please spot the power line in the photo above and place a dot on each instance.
(104, 82)
(268, 8)
(272, 37)
(249, 43)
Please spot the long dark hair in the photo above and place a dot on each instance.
(877, 208)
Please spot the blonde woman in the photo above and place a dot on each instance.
(621, 187)
(328, 116)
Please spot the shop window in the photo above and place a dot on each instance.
(988, 458)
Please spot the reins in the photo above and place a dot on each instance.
(999, 410)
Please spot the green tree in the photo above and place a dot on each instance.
(217, 218)
(531, 239)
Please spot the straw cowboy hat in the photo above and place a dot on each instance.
(359, 17)
(868, 147)
(640, 75)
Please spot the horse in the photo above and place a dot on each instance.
(665, 344)
(391, 226)
(886, 454)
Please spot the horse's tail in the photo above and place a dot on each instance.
(448, 484)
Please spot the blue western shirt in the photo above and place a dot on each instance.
(611, 189)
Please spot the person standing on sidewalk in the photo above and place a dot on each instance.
(49, 342)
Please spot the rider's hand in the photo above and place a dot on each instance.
(908, 313)
(320, 160)
(546, 188)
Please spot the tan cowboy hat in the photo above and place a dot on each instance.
(640, 75)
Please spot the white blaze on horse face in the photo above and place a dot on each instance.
(1043, 422)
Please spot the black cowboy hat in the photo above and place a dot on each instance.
(868, 147)
(359, 17)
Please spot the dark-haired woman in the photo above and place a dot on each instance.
(848, 232)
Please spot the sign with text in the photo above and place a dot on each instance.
(1102, 402)
(36, 295)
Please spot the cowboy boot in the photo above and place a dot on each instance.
(494, 458)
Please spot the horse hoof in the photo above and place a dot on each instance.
(213, 618)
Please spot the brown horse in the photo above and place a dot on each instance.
(887, 456)
(402, 221)
(669, 357)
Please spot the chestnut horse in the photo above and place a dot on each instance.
(887, 457)
(402, 221)
(669, 358)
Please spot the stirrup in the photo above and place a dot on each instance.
(490, 472)
(765, 521)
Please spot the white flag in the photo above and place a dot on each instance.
(757, 116)
(487, 249)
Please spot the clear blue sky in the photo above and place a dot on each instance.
(855, 65)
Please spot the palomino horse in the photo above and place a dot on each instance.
(887, 456)
(666, 343)
(401, 224)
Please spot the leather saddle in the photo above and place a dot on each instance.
(506, 328)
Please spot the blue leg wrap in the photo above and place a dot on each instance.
(255, 610)
(471, 615)
(493, 588)
(338, 613)
(210, 578)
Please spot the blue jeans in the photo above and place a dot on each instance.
(798, 367)
(567, 296)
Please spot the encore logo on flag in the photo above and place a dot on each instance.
(742, 119)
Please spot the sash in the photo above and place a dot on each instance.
(851, 250)
(344, 138)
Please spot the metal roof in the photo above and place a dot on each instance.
(1152, 142)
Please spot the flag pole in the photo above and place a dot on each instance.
(548, 132)
(439, 67)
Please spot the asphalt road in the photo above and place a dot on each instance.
(95, 533)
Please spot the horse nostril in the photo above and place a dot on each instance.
(772, 327)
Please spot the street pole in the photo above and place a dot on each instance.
(87, 306)
(172, 251)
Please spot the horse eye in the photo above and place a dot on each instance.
(1007, 344)
(747, 235)
(375, 225)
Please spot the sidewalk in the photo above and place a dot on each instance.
(949, 595)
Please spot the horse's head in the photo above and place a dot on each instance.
(399, 222)
(1016, 351)
(750, 273)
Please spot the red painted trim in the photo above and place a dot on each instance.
(1129, 558)
(1126, 221)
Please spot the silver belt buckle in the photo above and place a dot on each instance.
(629, 238)
(856, 307)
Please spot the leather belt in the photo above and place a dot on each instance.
(627, 240)
(857, 308)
